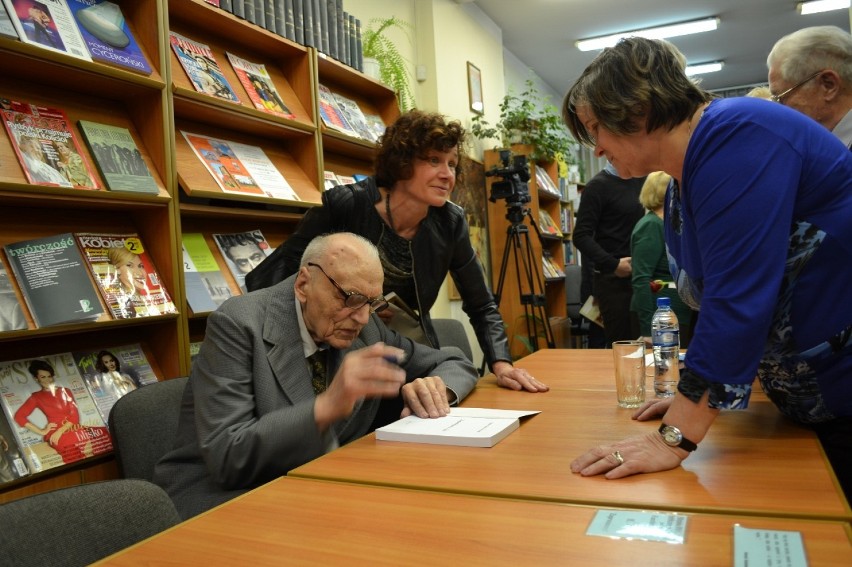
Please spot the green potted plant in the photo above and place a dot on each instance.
(528, 118)
(393, 67)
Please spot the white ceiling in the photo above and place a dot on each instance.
(541, 33)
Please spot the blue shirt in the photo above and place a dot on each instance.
(759, 236)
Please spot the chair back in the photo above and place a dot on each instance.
(79, 525)
(143, 424)
(451, 333)
(573, 296)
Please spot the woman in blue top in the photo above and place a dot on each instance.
(759, 235)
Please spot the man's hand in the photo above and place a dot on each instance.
(364, 373)
(516, 378)
(625, 267)
(425, 397)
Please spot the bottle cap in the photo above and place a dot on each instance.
(664, 302)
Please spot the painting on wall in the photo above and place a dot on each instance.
(474, 88)
(470, 194)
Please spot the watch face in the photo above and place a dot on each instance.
(672, 435)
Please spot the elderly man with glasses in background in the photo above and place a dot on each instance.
(290, 372)
(811, 70)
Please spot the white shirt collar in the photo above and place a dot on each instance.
(308, 344)
(843, 130)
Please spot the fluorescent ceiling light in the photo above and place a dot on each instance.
(701, 68)
(818, 6)
(662, 32)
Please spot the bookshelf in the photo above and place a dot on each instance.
(156, 108)
(554, 288)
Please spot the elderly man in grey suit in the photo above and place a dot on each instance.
(253, 407)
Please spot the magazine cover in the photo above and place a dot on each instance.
(259, 86)
(240, 168)
(376, 124)
(53, 415)
(330, 179)
(7, 28)
(54, 280)
(111, 373)
(243, 252)
(12, 464)
(47, 149)
(331, 114)
(107, 36)
(12, 316)
(206, 287)
(125, 274)
(355, 117)
(202, 68)
(47, 24)
(117, 158)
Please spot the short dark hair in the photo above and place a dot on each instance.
(38, 364)
(413, 135)
(637, 83)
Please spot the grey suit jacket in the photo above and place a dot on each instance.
(247, 414)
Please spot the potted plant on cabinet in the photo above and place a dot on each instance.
(393, 67)
(528, 118)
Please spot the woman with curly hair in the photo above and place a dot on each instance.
(404, 209)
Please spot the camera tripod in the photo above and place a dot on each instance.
(532, 296)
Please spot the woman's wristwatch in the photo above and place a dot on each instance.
(674, 438)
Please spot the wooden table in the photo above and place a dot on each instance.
(304, 522)
(752, 462)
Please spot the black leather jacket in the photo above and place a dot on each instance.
(441, 245)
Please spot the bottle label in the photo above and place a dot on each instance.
(666, 337)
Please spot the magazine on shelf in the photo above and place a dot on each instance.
(346, 179)
(117, 158)
(240, 168)
(48, 394)
(47, 24)
(467, 427)
(201, 67)
(330, 179)
(355, 117)
(7, 28)
(110, 373)
(376, 124)
(194, 349)
(243, 252)
(331, 114)
(47, 149)
(547, 225)
(206, 287)
(12, 316)
(107, 35)
(12, 463)
(54, 280)
(126, 276)
(258, 84)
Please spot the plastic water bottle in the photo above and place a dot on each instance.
(665, 336)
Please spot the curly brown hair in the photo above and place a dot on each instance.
(412, 136)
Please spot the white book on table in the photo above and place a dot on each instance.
(467, 427)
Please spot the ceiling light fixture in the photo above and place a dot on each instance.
(702, 68)
(661, 32)
(818, 6)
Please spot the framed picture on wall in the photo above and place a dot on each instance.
(474, 88)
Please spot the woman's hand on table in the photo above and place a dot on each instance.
(514, 378)
(653, 408)
(641, 454)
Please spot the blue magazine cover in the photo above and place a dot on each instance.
(107, 35)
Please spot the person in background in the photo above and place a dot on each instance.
(651, 276)
(71, 165)
(258, 402)
(811, 70)
(760, 92)
(609, 209)
(404, 209)
(759, 241)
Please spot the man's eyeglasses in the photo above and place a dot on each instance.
(780, 97)
(352, 299)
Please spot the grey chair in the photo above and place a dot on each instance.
(143, 425)
(82, 524)
(573, 299)
(451, 333)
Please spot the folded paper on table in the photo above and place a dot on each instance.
(468, 427)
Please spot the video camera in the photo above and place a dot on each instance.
(513, 187)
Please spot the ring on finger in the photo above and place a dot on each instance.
(618, 457)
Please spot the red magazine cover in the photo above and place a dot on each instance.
(125, 274)
(46, 146)
(258, 84)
